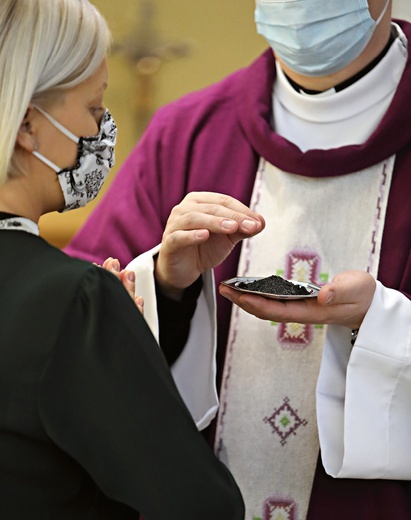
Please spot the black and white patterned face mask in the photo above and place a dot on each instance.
(82, 182)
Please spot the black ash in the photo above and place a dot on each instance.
(274, 285)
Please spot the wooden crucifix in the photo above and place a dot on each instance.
(147, 50)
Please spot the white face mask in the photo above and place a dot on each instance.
(316, 37)
(82, 183)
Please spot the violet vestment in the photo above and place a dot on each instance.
(212, 140)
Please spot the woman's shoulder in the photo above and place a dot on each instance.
(52, 267)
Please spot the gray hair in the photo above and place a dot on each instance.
(46, 47)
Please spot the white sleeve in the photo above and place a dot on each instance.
(364, 394)
(194, 372)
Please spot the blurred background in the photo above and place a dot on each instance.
(163, 49)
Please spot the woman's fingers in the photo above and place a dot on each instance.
(126, 277)
(139, 301)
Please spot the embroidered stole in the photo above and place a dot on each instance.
(266, 431)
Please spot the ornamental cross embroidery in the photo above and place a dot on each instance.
(285, 421)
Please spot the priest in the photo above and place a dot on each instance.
(315, 135)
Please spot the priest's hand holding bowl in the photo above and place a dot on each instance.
(344, 301)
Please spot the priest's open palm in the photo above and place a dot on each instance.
(343, 301)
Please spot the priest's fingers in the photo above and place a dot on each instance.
(214, 203)
(350, 293)
(179, 240)
(216, 213)
(244, 227)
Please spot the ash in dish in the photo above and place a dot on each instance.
(274, 285)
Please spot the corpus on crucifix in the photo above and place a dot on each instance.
(147, 50)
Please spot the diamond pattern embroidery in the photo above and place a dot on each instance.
(285, 421)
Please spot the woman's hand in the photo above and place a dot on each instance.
(344, 301)
(200, 233)
(127, 278)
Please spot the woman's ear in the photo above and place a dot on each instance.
(26, 136)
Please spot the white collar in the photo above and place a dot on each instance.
(19, 224)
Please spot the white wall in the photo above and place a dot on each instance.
(402, 9)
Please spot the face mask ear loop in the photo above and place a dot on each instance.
(382, 13)
(46, 161)
(58, 125)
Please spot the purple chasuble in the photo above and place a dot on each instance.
(212, 140)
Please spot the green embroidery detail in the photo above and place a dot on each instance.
(285, 421)
(319, 326)
(273, 323)
(257, 518)
(280, 272)
(323, 277)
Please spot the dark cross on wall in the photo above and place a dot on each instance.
(147, 51)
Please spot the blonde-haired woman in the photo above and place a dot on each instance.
(91, 423)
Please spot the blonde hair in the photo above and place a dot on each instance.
(46, 47)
